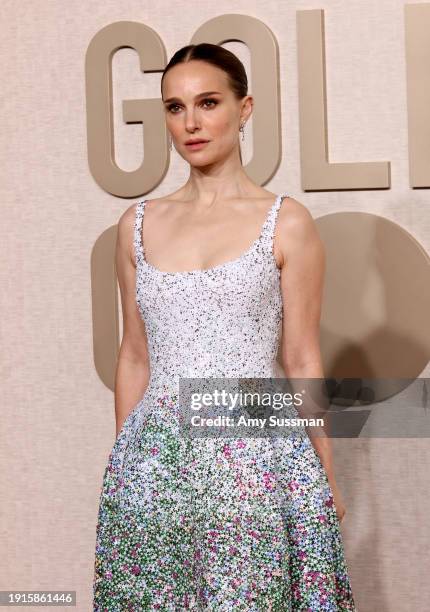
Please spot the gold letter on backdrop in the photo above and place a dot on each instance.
(100, 136)
(317, 172)
(417, 39)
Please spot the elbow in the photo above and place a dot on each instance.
(135, 353)
(303, 366)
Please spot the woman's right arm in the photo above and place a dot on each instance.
(133, 368)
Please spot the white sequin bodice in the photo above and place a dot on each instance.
(223, 321)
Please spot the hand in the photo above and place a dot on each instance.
(338, 502)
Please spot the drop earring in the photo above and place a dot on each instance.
(242, 129)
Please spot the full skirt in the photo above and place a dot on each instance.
(217, 524)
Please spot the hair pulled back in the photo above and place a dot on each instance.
(218, 57)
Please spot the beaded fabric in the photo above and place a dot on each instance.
(220, 524)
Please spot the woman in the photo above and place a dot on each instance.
(205, 280)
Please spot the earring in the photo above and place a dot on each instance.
(171, 143)
(242, 129)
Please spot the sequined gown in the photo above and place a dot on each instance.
(214, 524)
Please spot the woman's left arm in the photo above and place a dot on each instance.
(302, 253)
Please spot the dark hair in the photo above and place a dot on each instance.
(217, 56)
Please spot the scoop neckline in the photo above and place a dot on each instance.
(199, 271)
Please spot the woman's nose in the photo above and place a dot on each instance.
(191, 121)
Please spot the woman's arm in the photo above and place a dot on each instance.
(132, 372)
(302, 280)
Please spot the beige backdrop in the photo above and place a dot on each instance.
(57, 419)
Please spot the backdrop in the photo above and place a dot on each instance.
(57, 419)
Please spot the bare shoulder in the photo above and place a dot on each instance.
(126, 221)
(297, 232)
(295, 217)
(125, 231)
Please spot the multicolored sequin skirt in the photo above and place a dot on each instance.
(215, 524)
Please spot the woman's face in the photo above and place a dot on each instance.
(192, 113)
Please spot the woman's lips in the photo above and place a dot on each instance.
(195, 146)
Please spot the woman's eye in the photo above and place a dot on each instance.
(214, 102)
(171, 108)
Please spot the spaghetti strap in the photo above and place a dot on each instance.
(268, 233)
(138, 243)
